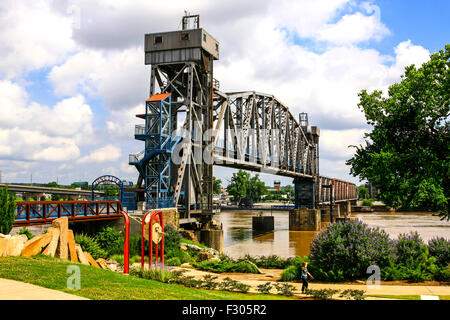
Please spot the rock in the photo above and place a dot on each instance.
(3, 246)
(81, 255)
(215, 259)
(102, 263)
(188, 234)
(204, 255)
(71, 243)
(259, 271)
(34, 246)
(15, 246)
(63, 225)
(185, 265)
(51, 248)
(91, 260)
(183, 247)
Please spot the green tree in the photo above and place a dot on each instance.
(363, 192)
(406, 155)
(217, 186)
(243, 185)
(7, 210)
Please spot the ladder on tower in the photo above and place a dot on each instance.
(181, 173)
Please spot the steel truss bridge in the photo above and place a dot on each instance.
(243, 130)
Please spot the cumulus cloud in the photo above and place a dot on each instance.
(107, 153)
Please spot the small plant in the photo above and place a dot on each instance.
(290, 273)
(264, 288)
(241, 287)
(367, 202)
(119, 258)
(90, 245)
(26, 232)
(110, 240)
(285, 289)
(174, 261)
(440, 249)
(160, 274)
(209, 283)
(177, 276)
(191, 282)
(353, 294)
(321, 294)
(227, 284)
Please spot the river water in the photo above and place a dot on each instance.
(239, 239)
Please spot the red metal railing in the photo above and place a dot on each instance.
(42, 212)
(156, 216)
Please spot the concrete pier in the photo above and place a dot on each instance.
(263, 223)
(212, 239)
(304, 219)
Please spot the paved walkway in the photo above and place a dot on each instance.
(16, 290)
(273, 275)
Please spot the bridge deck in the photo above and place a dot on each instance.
(43, 212)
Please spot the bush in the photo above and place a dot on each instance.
(226, 266)
(344, 251)
(160, 274)
(227, 284)
(209, 283)
(293, 272)
(174, 261)
(269, 262)
(26, 232)
(7, 210)
(90, 245)
(110, 240)
(264, 288)
(353, 294)
(119, 258)
(411, 260)
(368, 202)
(443, 274)
(440, 249)
(321, 294)
(285, 289)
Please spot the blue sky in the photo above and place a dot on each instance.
(67, 105)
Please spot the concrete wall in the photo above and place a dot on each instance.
(304, 219)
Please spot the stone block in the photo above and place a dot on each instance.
(71, 242)
(34, 246)
(51, 248)
(63, 225)
(15, 245)
(3, 246)
(91, 260)
(102, 263)
(81, 255)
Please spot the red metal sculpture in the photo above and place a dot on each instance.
(155, 235)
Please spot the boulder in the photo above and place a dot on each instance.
(34, 246)
(102, 263)
(91, 260)
(15, 245)
(204, 255)
(81, 255)
(63, 225)
(71, 242)
(3, 246)
(51, 248)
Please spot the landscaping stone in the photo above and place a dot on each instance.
(204, 255)
(71, 242)
(3, 245)
(91, 260)
(63, 225)
(102, 263)
(81, 255)
(51, 248)
(34, 246)
(15, 245)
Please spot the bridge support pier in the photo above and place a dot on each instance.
(304, 219)
(212, 239)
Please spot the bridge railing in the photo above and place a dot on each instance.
(41, 212)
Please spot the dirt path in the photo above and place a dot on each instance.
(273, 275)
(16, 290)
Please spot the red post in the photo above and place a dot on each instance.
(142, 238)
(126, 246)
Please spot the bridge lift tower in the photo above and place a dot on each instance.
(182, 65)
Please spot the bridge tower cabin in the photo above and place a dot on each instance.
(182, 66)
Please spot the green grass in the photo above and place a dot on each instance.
(106, 285)
(201, 245)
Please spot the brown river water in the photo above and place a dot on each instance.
(239, 239)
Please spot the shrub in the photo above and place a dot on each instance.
(227, 284)
(241, 287)
(110, 240)
(264, 288)
(119, 258)
(209, 283)
(269, 262)
(285, 289)
(411, 260)
(160, 274)
(440, 249)
(321, 294)
(26, 232)
(367, 202)
(135, 246)
(7, 210)
(290, 274)
(443, 274)
(90, 245)
(226, 266)
(174, 261)
(172, 238)
(353, 294)
(344, 251)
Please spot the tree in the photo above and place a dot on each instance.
(363, 192)
(243, 185)
(7, 210)
(406, 155)
(217, 186)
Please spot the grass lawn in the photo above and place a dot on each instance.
(102, 284)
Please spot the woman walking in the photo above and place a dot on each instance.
(305, 274)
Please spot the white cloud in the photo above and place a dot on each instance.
(32, 36)
(107, 153)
